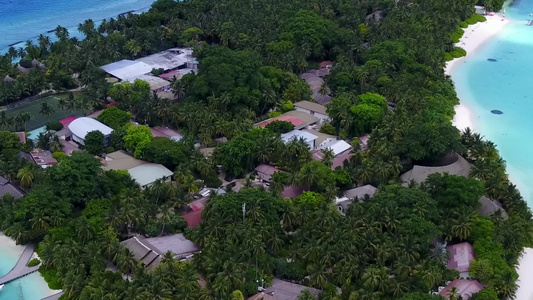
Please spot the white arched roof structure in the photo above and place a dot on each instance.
(81, 126)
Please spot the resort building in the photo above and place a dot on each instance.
(309, 138)
(419, 174)
(174, 62)
(146, 174)
(462, 288)
(8, 188)
(338, 162)
(322, 138)
(283, 290)
(143, 172)
(150, 250)
(490, 207)
(338, 147)
(460, 257)
(167, 132)
(314, 109)
(265, 172)
(291, 191)
(82, 126)
(356, 194)
(43, 158)
(299, 119)
(314, 78)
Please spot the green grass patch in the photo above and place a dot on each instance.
(34, 262)
(37, 120)
(456, 36)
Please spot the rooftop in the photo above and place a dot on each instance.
(312, 106)
(338, 147)
(81, 126)
(169, 59)
(283, 290)
(148, 173)
(419, 174)
(142, 251)
(155, 82)
(297, 118)
(339, 160)
(266, 169)
(460, 256)
(193, 218)
(43, 158)
(465, 288)
(298, 134)
(291, 191)
(490, 207)
(7, 187)
(321, 137)
(120, 160)
(163, 131)
(125, 69)
(176, 243)
(361, 192)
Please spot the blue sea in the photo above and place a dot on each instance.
(22, 20)
(504, 85)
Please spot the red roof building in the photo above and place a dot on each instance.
(291, 191)
(326, 63)
(464, 288)
(193, 218)
(460, 257)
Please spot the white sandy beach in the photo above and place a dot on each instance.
(475, 36)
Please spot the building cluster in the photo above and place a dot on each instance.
(156, 69)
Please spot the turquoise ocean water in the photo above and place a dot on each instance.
(505, 85)
(22, 20)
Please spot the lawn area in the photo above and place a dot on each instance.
(37, 120)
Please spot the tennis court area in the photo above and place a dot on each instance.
(37, 120)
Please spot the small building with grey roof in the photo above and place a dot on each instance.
(147, 174)
(490, 207)
(314, 109)
(8, 188)
(265, 172)
(356, 194)
(284, 290)
(150, 250)
(419, 174)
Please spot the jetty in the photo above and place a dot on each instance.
(54, 296)
(529, 22)
(21, 269)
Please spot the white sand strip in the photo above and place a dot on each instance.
(525, 273)
(474, 37)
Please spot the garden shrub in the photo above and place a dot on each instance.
(34, 262)
(54, 125)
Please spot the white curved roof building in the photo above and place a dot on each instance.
(81, 126)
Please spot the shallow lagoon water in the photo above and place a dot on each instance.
(500, 77)
(21, 20)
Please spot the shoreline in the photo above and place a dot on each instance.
(475, 37)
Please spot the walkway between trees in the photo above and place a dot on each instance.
(21, 269)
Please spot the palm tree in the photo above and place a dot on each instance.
(46, 110)
(24, 117)
(133, 47)
(26, 176)
(328, 157)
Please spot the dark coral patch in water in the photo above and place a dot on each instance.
(492, 59)
(497, 112)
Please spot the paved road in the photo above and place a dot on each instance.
(21, 269)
